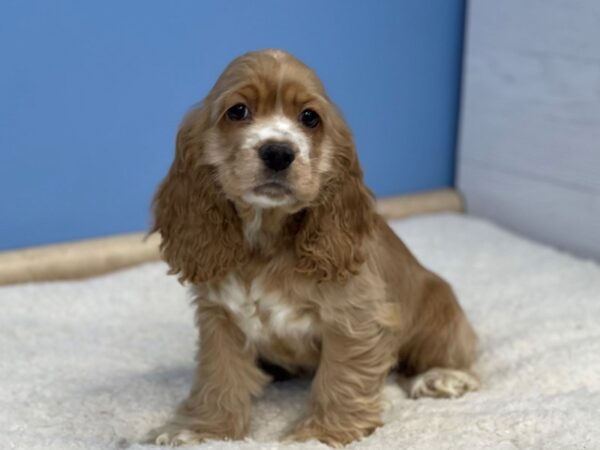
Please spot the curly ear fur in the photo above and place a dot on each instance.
(202, 237)
(330, 239)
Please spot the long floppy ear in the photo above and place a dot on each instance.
(201, 232)
(329, 242)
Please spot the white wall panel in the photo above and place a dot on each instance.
(529, 153)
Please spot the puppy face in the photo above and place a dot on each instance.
(270, 131)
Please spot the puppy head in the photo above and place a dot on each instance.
(269, 133)
(266, 136)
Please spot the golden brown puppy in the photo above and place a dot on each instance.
(265, 213)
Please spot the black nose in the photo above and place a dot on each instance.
(276, 156)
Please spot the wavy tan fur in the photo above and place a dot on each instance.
(307, 277)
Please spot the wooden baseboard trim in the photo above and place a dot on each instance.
(430, 202)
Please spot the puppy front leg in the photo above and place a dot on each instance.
(346, 390)
(227, 378)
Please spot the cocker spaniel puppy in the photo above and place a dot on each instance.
(265, 213)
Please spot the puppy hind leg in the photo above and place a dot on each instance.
(439, 354)
(440, 382)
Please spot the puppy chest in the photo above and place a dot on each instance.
(266, 316)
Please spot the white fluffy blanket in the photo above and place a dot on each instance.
(95, 364)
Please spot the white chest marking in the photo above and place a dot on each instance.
(260, 314)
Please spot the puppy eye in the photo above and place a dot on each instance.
(238, 112)
(309, 118)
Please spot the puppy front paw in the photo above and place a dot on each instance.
(178, 433)
(312, 428)
(175, 436)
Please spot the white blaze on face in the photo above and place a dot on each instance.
(280, 129)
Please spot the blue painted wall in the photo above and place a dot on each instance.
(91, 94)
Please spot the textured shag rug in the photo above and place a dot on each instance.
(95, 364)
